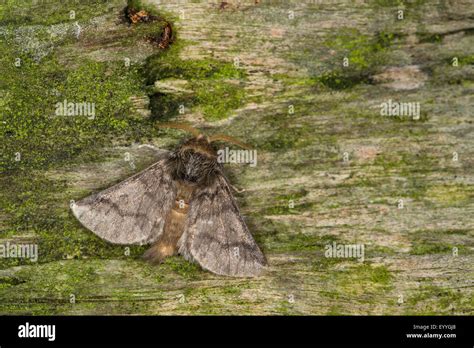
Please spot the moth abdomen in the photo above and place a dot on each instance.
(167, 244)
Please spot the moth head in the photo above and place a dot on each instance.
(196, 158)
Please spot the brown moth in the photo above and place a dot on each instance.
(182, 204)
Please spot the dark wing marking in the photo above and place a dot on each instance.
(133, 211)
(215, 235)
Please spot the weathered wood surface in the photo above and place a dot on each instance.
(410, 266)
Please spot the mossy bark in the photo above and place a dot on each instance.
(331, 168)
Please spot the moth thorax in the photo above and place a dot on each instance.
(194, 165)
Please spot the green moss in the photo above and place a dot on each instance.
(379, 274)
(289, 203)
(450, 195)
(457, 231)
(340, 79)
(379, 250)
(33, 204)
(286, 137)
(185, 269)
(216, 100)
(300, 193)
(436, 300)
(285, 242)
(363, 53)
(44, 138)
(464, 60)
(326, 264)
(219, 300)
(30, 12)
(168, 64)
(397, 3)
(431, 38)
(412, 166)
(294, 81)
(336, 310)
(232, 290)
(420, 248)
(358, 280)
(6, 282)
(285, 308)
(98, 287)
(53, 282)
(166, 106)
(217, 86)
(138, 5)
(284, 208)
(425, 242)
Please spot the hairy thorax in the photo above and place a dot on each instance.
(195, 162)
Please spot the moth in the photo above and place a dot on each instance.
(182, 204)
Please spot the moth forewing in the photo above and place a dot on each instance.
(134, 210)
(216, 235)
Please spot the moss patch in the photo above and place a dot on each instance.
(356, 58)
(29, 12)
(217, 86)
(298, 242)
(183, 268)
(436, 300)
(38, 137)
(358, 280)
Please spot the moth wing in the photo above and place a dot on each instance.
(216, 236)
(133, 211)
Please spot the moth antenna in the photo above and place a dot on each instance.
(181, 126)
(222, 137)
